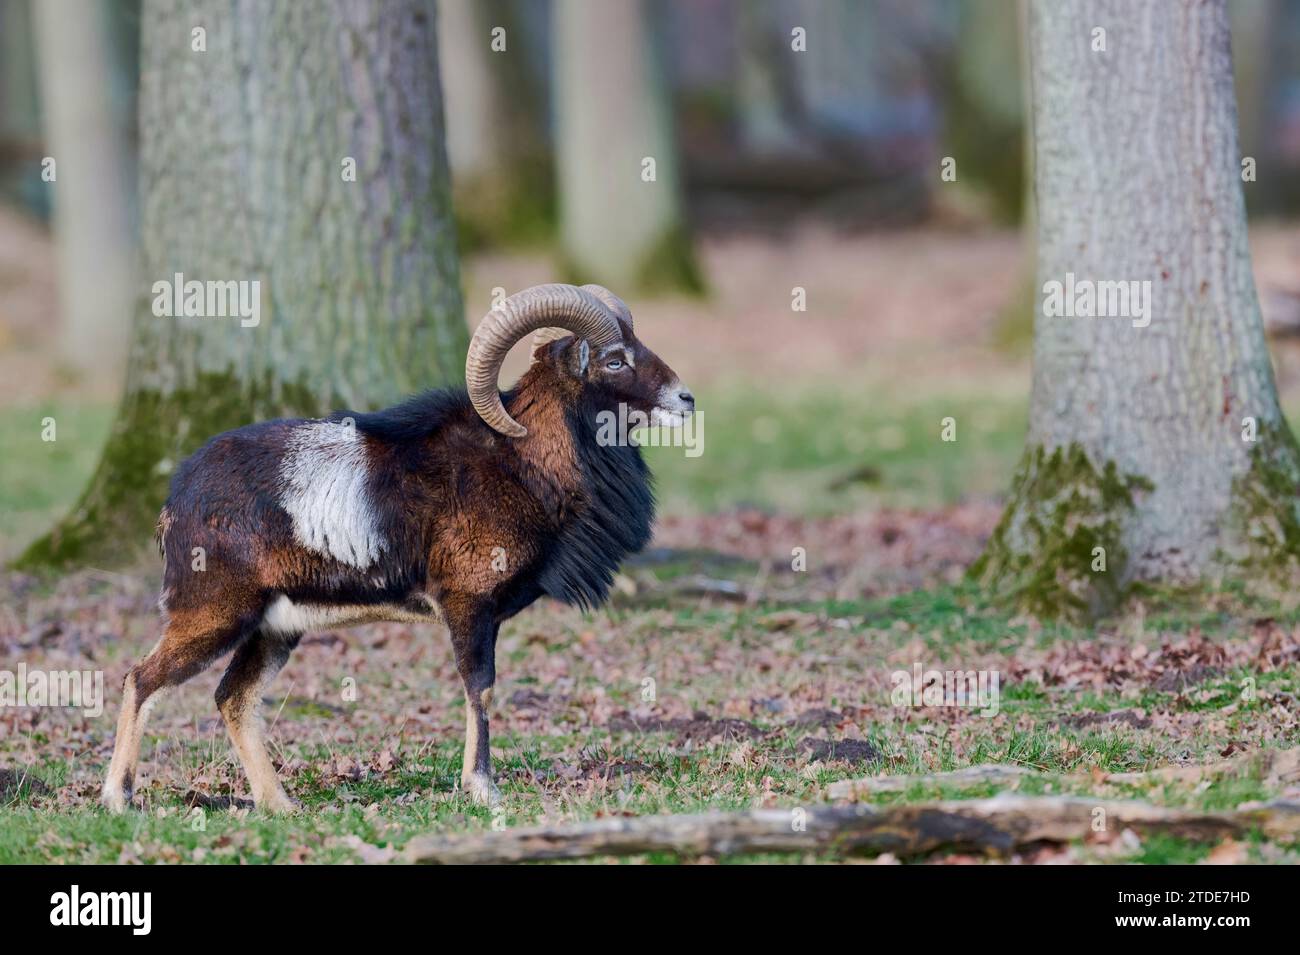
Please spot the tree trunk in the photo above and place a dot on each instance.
(245, 177)
(1138, 467)
(92, 194)
(612, 115)
(503, 182)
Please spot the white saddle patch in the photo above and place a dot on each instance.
(327, 495)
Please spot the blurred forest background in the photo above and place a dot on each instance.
(783, 173)
(764, 181)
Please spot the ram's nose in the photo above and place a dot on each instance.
(686, 398)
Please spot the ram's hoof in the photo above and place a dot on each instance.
(115, 799)
(278, 804)
(480, 788)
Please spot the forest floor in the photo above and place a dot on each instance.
(719, 677)
(711, 682)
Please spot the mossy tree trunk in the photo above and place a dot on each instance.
(1159, 453)
(245, 176)
(503, 180)
(618, 227)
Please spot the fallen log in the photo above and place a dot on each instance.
(1278, 767)
(994, 826)
(970, 776)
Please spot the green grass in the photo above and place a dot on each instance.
(40, 479)
(375, 816)
(1162, 849)
(839, 447)
(98, 838)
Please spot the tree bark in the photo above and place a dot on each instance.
(612, 113)
(92, 195)
(243, 179)
(1138, 467)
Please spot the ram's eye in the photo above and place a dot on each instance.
(614, 364)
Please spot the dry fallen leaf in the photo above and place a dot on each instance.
(1228, 852)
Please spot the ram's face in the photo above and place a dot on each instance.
(628, 373)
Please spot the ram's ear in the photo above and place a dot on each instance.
(578, 358)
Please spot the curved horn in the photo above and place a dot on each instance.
(563, 306)
(612, 302)
(615, 304)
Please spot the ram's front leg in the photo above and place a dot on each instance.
(474, 637)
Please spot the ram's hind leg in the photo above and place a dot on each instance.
(190, 642)
(239, 699)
